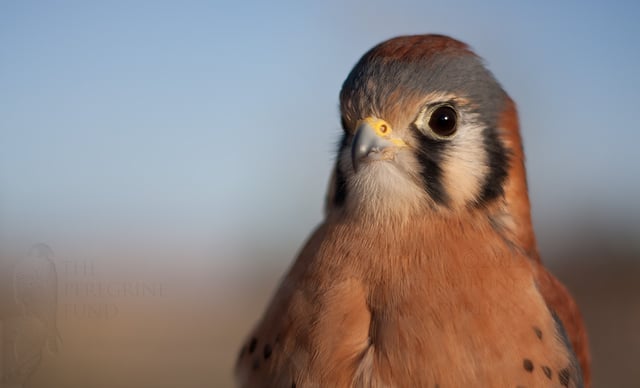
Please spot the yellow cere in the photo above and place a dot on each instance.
(383, 129)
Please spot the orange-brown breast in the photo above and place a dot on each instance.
(440, 302)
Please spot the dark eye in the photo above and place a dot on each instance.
(443, 121)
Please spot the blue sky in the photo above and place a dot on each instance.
(213, 124)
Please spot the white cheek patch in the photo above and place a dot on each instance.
(465, 166)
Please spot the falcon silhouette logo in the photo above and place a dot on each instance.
(29, 319)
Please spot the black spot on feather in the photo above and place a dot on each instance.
(267, 351)
(252, 345)
(538, 332)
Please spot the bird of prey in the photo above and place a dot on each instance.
(425, 271)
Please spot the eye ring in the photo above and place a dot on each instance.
(443, 121)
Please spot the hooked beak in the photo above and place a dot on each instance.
(373, 142)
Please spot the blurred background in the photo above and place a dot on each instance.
(173, 157)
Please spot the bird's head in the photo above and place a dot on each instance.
(427, 129)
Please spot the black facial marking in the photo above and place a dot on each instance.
(267, 351)
(538, 332)
(527, 365)
(547, 371)
(430, 156)
(293, 385)
(564, 377)
(498, 162)
(343, 123)
(252, 345)
(340, 190)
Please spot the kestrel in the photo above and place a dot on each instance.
(425, 271)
